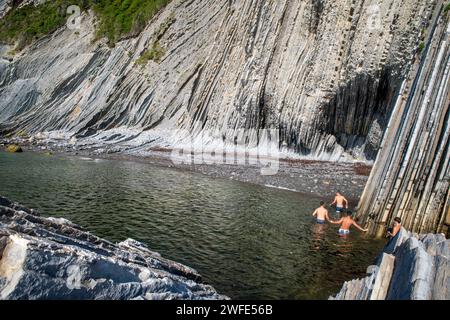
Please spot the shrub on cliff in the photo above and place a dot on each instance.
(117, 19)
(155, 53)
(29, 23)
(122, 18)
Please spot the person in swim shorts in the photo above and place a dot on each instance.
(340, 202)
(346, 222)
(321, 213)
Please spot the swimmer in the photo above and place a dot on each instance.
(340, 202)
(346, 222)
(321, 213)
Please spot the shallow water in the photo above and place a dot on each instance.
(249, 242)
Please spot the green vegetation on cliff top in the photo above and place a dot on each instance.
(117, 19)
(121, 18)
(447, 8)
(31, 23)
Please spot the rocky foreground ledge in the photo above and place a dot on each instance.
(48, 258)
(411, 267)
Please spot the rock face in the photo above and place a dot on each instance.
(5, 5)
(410, 178)
(48, 258)
(323, 73)
(411, 267)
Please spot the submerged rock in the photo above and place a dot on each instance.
(409, 268)
(50, 258)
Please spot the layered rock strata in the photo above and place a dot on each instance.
(411, 176)
(411, 267)
(52, 258)
(323, 74)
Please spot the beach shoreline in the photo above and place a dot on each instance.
(315, 178)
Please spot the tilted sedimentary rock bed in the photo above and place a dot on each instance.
(4, 7)
(48, 258)
(411, 176)
(323, 73)
(411, 267)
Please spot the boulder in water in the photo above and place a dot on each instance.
(14, 148)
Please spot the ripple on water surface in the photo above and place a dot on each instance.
(247, 241)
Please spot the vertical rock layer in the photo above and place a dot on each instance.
(324, 73)
(411, 267)
(411, 175)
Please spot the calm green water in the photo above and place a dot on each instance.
(247, 241)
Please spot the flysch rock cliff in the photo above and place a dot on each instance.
(50, 258)
(323, 73)
(411, 175)
(411, 267)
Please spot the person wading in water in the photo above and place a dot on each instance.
(340, 202)
(321, 213)
(346, 222)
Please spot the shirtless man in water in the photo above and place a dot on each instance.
(340, 202)
(346, 222)
(321, 213)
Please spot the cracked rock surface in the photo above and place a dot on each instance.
(52, 258)
(411, 267)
